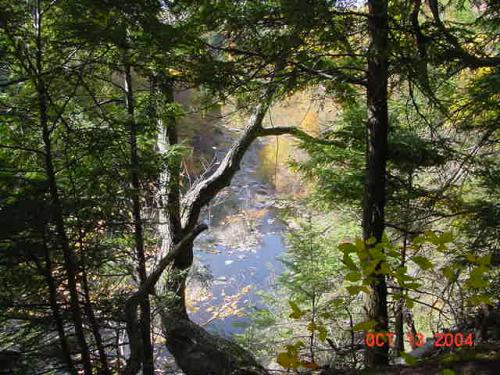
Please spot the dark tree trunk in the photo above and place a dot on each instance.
(145, 307)
(89, 311)
(51, 283)
(87, 302)
(374, 194)
(400, 309)
(70, 262)
(399, 326)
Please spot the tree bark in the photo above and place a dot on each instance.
(399, 325)
(375, 174)
(87, 302)
(146, 288)
(169, 196)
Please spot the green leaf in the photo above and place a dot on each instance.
(311, 327)
(475, 279)
(370, 241)
(376, 253)
(412, 285)
(479, 299)
(422, 262)
(401, 275)
(419, 240)
(431, 237)
(296, 312)
(485, 260)
(364, 326)
(385, 269)
(446, 237)
(449, 273)
(355, 289)
(347, 248)
(349, 262)
(293, 349)
(409, 302)
(471, 258)
(322, 333)
(360, 245)
(447, 371)
(337, 302)
(287, 361)
(353, 276)
(370, 267)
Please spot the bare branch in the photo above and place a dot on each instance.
(206, 189)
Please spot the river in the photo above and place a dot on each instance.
(238, 255)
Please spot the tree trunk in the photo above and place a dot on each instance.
(145, 307)
(198, 352)
(70, 262)
(374, 194)
(399, 326)
(89, 311)
(66, 353)
(399, 312)
(87, 302)
(170, 228)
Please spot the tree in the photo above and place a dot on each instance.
(91, 154)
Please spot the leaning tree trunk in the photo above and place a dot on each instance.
(376, 157)
(196, 351)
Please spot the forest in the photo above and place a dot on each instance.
(216, 187)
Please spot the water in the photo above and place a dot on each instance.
(238, 255)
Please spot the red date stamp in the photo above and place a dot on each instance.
(441, 339)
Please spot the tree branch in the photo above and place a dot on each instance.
(297, 133)
(152, 279)
(206, 189)
(334, 74)
(467, 58)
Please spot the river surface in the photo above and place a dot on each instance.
(238, 255)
